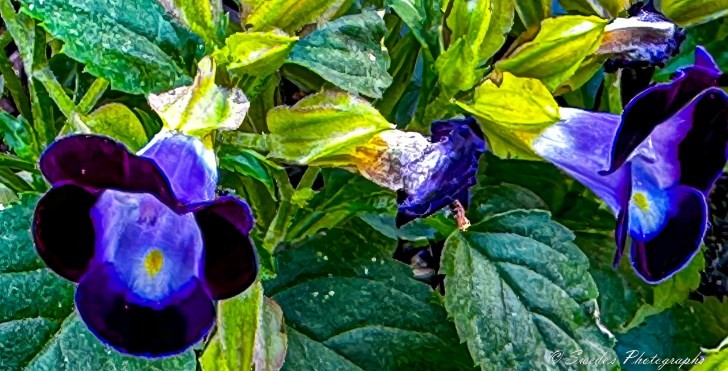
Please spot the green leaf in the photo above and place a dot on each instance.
(692, 12)
(479, 29)
(347, 303)
(18, 134)
(205, 18)
(74, 347)
(344, 195)
(323, 129)
(424, 19)
(38, 327)
(711, 35)
(513, 113)
(119, 122)
(248, 333)
(607, 9)
(348, 53)
(250, 164)
(558, 50)
(519, 289)
(715, 360)
(287, 15)
(202, 107)
(254, 53)
(532, 12)
(134, 45)
(491, 200)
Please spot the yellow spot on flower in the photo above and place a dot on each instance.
(153, 262)
(640, 200)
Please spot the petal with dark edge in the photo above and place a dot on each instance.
(230, 258)
(655, 105)
(189, 166)
(579, 145)
(445, 171)
(657, 259)
(63, 231)
(128, 323)
(97, 163)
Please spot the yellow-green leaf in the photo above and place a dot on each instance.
(287, 15)
(202, 107)
(324, 129)
(558, 50)
(513, 114)
(255, 53)
(118, 121)
(532, 12)
(203, 17)
(692, 12)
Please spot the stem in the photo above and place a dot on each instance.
(16, 163)
(55, 90)
(309, 177)
(12, 81)
(92, 96)
(256, 142)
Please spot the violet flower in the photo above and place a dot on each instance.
(144, 237)
(654, 166)
(428, 174)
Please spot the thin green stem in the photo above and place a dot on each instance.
(308, 178)
(92, 96)
(16, 163)
(12, 81)
(55, 90)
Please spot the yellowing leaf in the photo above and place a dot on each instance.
(692, 12)
(203, 17)
(255, 53)
(287, 15)
(323, 129)
(558, 50)
(119, 122)
(202, 107)
(513, 114)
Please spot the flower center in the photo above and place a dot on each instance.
(153, 262)
(640, 200)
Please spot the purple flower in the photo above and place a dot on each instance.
(661, 159)
(144, 237)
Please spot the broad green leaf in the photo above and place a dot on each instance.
(679, 333)
(135, 45)
(532, 12)
(344, 195)
(424, 18)
(358, 308)
(287, 15)
(248, 333)
(120, 123)
(38, 327)
(513, 113)
(715, 360)
(479, 29)
(19, 135)
(692, 12)
(203, 17)
(348, 53)
(202, 107)
(250, 164)
(254, 53)
(558, 50)
(491, 200)
(519, 289)
(74, 347)
(323, 129)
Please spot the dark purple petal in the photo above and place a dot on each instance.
(446, 171)
(189, 166)
(655, 105)
(658, 258)
(705, 60)
(153, 248)
(621, 231)
(97, 163)
(141, 327)
(230, 258)
(579, 145)
(63, 231)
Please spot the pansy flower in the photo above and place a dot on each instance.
(653, 166)
(428, 174)
(144, 237)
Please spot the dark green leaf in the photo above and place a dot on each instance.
(348, 304)
(18, 134)
(424, 18)
(135, 45)
(518, 289)
(348, 53)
